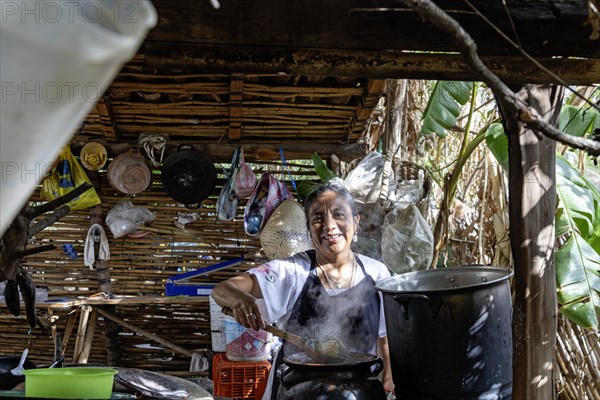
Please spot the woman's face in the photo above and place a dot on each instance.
(331, 224)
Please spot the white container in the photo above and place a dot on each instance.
(56, 60)
(246, 344)
(217, 327)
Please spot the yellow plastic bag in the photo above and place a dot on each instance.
(66, 176)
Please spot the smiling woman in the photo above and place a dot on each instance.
(325, 293)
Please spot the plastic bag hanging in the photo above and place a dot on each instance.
(245, 180)
(228, 200)
(66, 176)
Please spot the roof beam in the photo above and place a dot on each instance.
(367, 64)
(236, 95)
(107, 121)
(221, 152)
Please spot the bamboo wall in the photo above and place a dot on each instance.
(139, 267)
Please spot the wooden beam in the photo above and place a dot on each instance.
(106, 119)
(236, 95)
(552, 28)
(371, 96)
(359, 63)
(294, 150)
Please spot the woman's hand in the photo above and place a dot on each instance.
(386, 376)
(239, 295)
(247, 312)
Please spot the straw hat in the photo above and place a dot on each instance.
(128, 173)
(285, 232)
(93, 156)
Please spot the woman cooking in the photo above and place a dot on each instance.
(320, 293)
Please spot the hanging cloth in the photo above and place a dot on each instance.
(95, 234)
(155, 147)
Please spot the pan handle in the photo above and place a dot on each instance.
(282, 371)
(378, 366)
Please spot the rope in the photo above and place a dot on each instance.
(155, 146)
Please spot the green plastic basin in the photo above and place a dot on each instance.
(69, 383)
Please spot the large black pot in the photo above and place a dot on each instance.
(449, 333)
(355, 379)
(188, 176)
(8, 380)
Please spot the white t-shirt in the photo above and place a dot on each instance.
(281, 282)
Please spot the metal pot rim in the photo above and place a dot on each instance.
(354, 359)
(413, 282)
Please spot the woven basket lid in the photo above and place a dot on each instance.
(285, 232)
(128, 173)
(93, 156)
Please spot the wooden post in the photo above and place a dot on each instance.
(532, 208)
(68, 331)
(83, 323)
(89, 337)
(111, 329)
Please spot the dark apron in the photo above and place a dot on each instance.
(352, 316)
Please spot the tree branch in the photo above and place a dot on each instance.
(59, 201)
(430, 12)
(49, 220)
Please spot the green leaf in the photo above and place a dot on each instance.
(305, 188)
(582, 314)
(562, 223)
(444, 106)
(575, 195)
(321, 168)
(578, 121)
(594, 237)
(578, 281)
(497, 142)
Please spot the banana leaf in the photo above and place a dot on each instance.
(444, 106)
(577, 260)
(575, 196)
(594, 238)
(578, 121)
(497, 142)
(321, 168)
(578, 281)
(325, 174)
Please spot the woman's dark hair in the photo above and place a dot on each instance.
(335, 187)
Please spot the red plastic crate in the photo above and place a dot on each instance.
(239, 379)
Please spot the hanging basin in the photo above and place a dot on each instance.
(188, 176)
(449, 332)
(69, 383)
